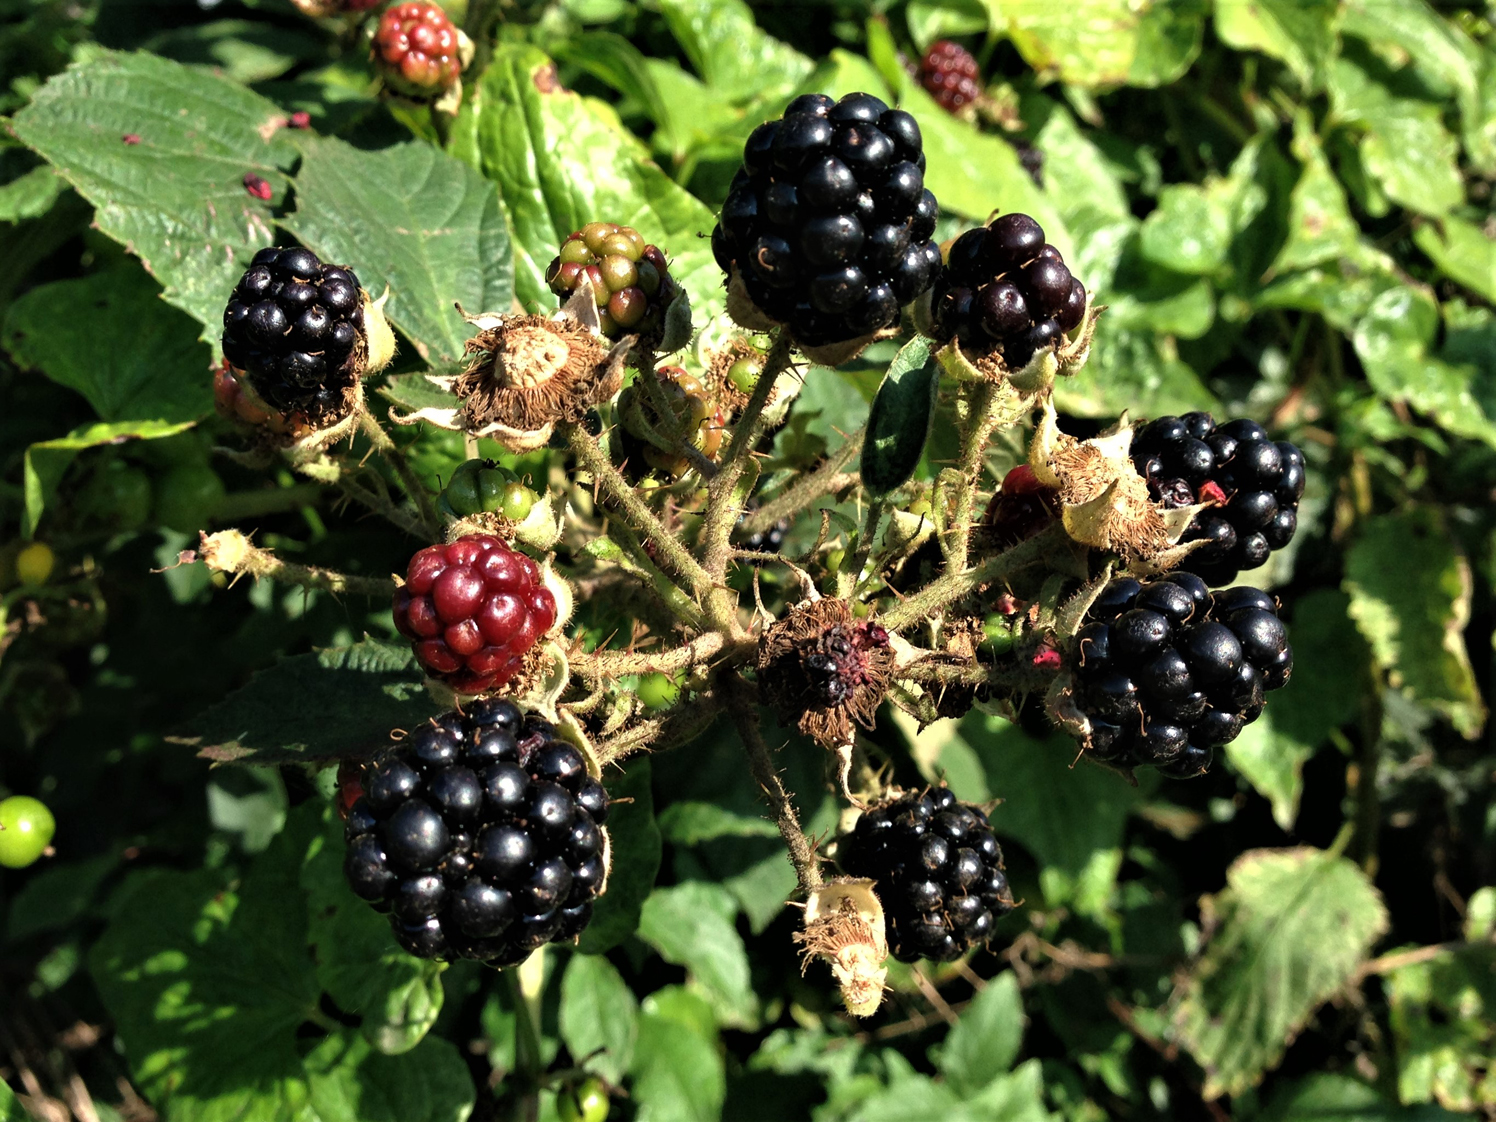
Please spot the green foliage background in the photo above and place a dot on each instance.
(1286, 206)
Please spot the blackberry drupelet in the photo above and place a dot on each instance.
(828, 222)
(1004, 288)
(630, 279)
(296, 328)
(481, 836)
(472, 610)
(1255, 483)
(938, 872)
(950, 74)
(1167, 670)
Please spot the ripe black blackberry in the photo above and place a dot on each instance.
(481, 835)
(296, 327)
(828, 222)
(1255, 483)
(950, 74)
(1003, 288)
(938, 872)
(1167, 670)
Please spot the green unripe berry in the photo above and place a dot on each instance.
(744, 373)
(117, 497)
(834, 560)
(657, 691)
(586, 1102)
(575, 253)
(516, 501)
(187, 497)
(462, 492)
(618, 272)
(1000, 632)
(34, 563)
(26, 828)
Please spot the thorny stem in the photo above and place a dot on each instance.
(229, 551)
(678, 725)
(850, 576)
(1010, 675)
(953, 585)
(268, 500)
(672, 598)
(983, 419)
(761, 762)
(602, 664)
(827, 479)
(406, 520)
(723, 509)
(395, 456)
(676, 556)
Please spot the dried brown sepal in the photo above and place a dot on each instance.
(530, 373)
(844, 925)
(719, 365)
(825, 669)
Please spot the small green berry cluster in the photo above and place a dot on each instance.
(485, 487)
(630, 280)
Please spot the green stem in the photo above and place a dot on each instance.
(405, 519)
(267, 500)
(828, 478)
(849, 578)
(638, 514)
(395, 456)
(984, 402)
(229, 551)
(527, 1052)
(597, 665)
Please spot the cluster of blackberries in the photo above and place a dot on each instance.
(938, 873)
(950, 74)
(292, 325)
(1003, 287)
(481, 836)
(472, 610)
(1255, 483)
(828, 223)
(1167, 670)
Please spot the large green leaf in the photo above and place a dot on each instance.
(599, 1016)
(983, 1044)
(1286, 933)
(1068, 814)
(10, 1107)
(47, 461)
(899, 423)
(677, 1069)
(1135, 369)
(636, 858)
(30, 195)
(1300, 33)
(1410, 596)
(349, 1081)
(1463, 252)
(176, 198)
(562, 161)
(139, 360)
(334, 704)
(359, 965)
(691, 925)
(417, 220)
(1320, 226)
(1105, 42)
(1331, 1097)
(732, 55)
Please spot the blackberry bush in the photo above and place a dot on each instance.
(828, 222)
(1003, 287)
(1253, 485)
(1167, 671)
(481, 835)
(937, 870)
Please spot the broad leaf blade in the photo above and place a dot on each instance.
(47, 461)
(176, 198)
(599, 1016)
(691, 925)
(984, 1043)
(1288, 932)
(415, 219)
(898, 425)
(636, 859)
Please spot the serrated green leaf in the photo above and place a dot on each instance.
(678, 1071)
(1286, 933)
(349, 1081)
(1445, 56)
(58, 895)
(636, 859)
(983, 1044)
(1135, 370)
(1463, 252)
(339, 703)
(139, 360)
(359, 965)
(1077, 174)
(1414, 158)
(247, 51)
(1191, 230)
(691, 925)
(898, 426)
(599, 1016)
(690, 823)
(1105, 42)
(562, 161)
(1410, 596)
(1069, 815)
(417, 220)
(30, 195)
(730, 52)
(1332, 1097)
(1444, 1022)
(1299, 33)
(1320, 226)
(177, 198)
(47, 461)
(930, 20)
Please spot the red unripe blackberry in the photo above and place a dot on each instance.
(1021, 507)
(950, 74)
(937, 871)
(1255, 483)
(472, 610)
(1167, 671)
(481, 835)
(416, 49)
(1003, 288)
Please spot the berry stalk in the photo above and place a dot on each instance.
(828, 478)
(229, 551)
(395, 456)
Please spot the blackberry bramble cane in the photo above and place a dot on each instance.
(482, 836)
(828, 223)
